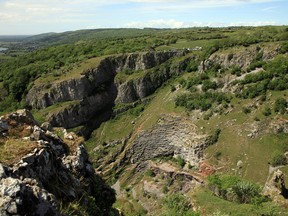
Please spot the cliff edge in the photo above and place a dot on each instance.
(42, 174)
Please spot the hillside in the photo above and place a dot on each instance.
(177, 121)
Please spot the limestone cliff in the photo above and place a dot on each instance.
(39, 171)
(138, 88)
(240, 57)
(94, 90)
(171, 136)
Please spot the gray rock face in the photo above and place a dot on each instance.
(135, 89)
(3, 126)
(171, 136)
(95, 90)
(50, 173)
(19, 197)
(275, 187)
(241, 58)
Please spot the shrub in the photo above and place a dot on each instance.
(246, 110)
(180, 161)
(217, 154)
(278, 159)
(137, 110)
(280, 105)
(177, 204)
(203, 102)
(214, 138)
(246, 191)
(233, 188)
(267, 111)
(284, 48)
(207, 84)
(236, 70)
(192, 66)
(172, 88)
(165, 189)
(230, 56)
(150, 173)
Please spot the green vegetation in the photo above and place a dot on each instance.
(278, 159)
(203, 102)
(214, 205)
(11, 151)
(281, 105)
(177, 204)
(180, 161)
(58, 54)
(274, 77)
(238, 106)
(232, 188)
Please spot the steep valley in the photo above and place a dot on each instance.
(175, 131)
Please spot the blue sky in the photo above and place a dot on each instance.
(40, 16)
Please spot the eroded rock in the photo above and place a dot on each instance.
(275, 187)
(171, 136)
(41, 179)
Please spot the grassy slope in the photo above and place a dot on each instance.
(234, 144)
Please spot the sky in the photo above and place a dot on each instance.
(27, 17)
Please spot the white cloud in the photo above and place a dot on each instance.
(161, 23)
(270, 9)
(112, 13)
(202, 3)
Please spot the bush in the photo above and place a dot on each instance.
(180, 161)
(172, 88)
(236, 70)
(214, 138)
(230, 56)
(137, 110)
(233, 188)
(284, 48)
(203, 102)
(207, 84)
(246, 110)
(280, 105)
(246, 191)
(192, 66)
(267, 111)
(278, 159)
(177, 204)
(150, 173)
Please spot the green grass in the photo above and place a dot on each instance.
(114, 129)
(210, 204)
(234, 143)
(129, 207)
(12, 150)
(183, 43)
(74, 73)
(44, 114)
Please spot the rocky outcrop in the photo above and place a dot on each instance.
(241, 58)
(94, 90)
(79, 112)
(275, 187)
(52, 172)
(171, 136)
(139, 88)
